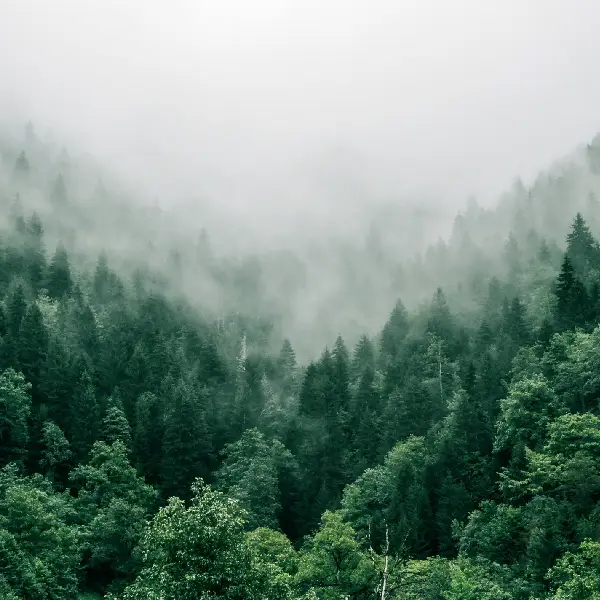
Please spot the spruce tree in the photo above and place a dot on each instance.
(148, 435)
(187, 443)
(15, 410)
(35, 255)
(59, 281)
(582, 249)
(56, 453)
(115, 425)
(572, 303)
(33, 348)
(21, 170)
(393, 334)
(84, 421)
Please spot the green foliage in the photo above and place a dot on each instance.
(114, 504)
(187, 443)
(393, 495)
(469, 581)
(15, 408)
(59, 280)
(115, 425)
(454, 455)
(199, 552)
(576, 575)
(56, 454)
(39, 546)
(251, 473)
(332, 564)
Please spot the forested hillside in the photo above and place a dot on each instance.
(160, 438)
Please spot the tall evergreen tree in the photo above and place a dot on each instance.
(59, 281)
(393, 334)
(148, 435)
(35, 254)
(21, 170)
(187, 443)
(84, 418)
(582, 249)
(572, 303)
(33, 348)
(115, 426)
(15, 408)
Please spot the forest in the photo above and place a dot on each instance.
(157, 444)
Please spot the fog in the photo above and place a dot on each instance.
(266, 108)
(312, 126)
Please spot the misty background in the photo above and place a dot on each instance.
(296, 124)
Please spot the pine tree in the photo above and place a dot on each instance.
(364, 357)
(115, 425)
(572, 303)
(286, 367)
(582, 249)
(515, 324)
(440, 322)
(35, 255)
(187, 443)
(33, 348)
(21, 170)
(364, 429)
(148, 435)
(84, 422)
(56, 453)
(393, 334)
(57, 383)
(15, 409)
(87, 329)
(101, 283)
(310, 405)
(59, 281)
(16, 307)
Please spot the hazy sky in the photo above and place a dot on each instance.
(282, 101)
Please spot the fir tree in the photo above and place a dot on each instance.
(115, 426)
(59, 281)
(84, 419)
(21, 170)
(187, 444)
(582, 248)
(33, 347)
(572, 303)
(148, 435)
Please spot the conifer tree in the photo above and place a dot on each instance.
(35, 254)
(56, 453)
(582, 249)
(59, 281)
(33, 348)
(16, 307)
(364, 357)
(84, 418)
(148, 435)
(572, 303)
(115, 425)
(21, 170)
(187, 443)
(393, 334)
(15, 409)
(57, 382)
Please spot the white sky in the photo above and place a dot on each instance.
(244, 100)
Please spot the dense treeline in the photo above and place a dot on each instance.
(150, 451)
